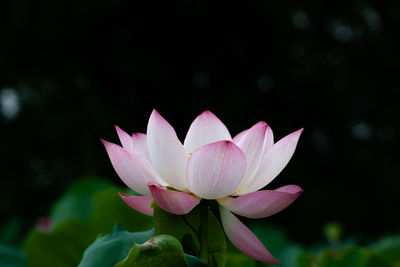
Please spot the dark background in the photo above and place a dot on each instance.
(70, 70)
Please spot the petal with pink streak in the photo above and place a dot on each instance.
(243, 238)
(269, 139)
(137, 147)
(174, 202)
(126, 140)
(135, 144)
(167, 154)
(128, 169)
(215, 170)
(205, 129)
(140, 203)
(253, 143)
(242, 133)
(140, 141)
(274, 161)
(263, 203)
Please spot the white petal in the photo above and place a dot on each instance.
(274, 161)
(166, 151)
(137, 147)
(126, 140)
(205, 129)
(253, 143)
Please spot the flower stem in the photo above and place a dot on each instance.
(203, 230)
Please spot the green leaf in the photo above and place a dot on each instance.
(11, 256)
(98, 202)
(389, 249)
(186, 228)
(92, 207)
(110, 249)
(160, 251)
(66, 244)
(77, 202)
(62, 248)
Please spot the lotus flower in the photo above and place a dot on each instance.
(209, 165)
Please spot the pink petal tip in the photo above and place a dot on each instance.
(141, 204)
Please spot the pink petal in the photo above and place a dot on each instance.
(140, 141)
(135, 144)
(205, 129)
(174, 202)
(166, 151)
(263, 203)
(269, 139)
(128, 169)
(253, 142)
(137, 147)
(243, 238)
(215, 170)
(140, 203)
(126, 140)
(274, 161)
(241, 134)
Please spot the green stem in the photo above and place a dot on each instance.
(203, 230)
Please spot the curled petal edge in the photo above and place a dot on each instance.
(262, 203)
(174, 202)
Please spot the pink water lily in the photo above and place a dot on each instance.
(209, 165)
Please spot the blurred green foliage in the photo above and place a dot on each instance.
(78, 201)
(389, 248)
(62, 247)
(11, 256)
(93, 207)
